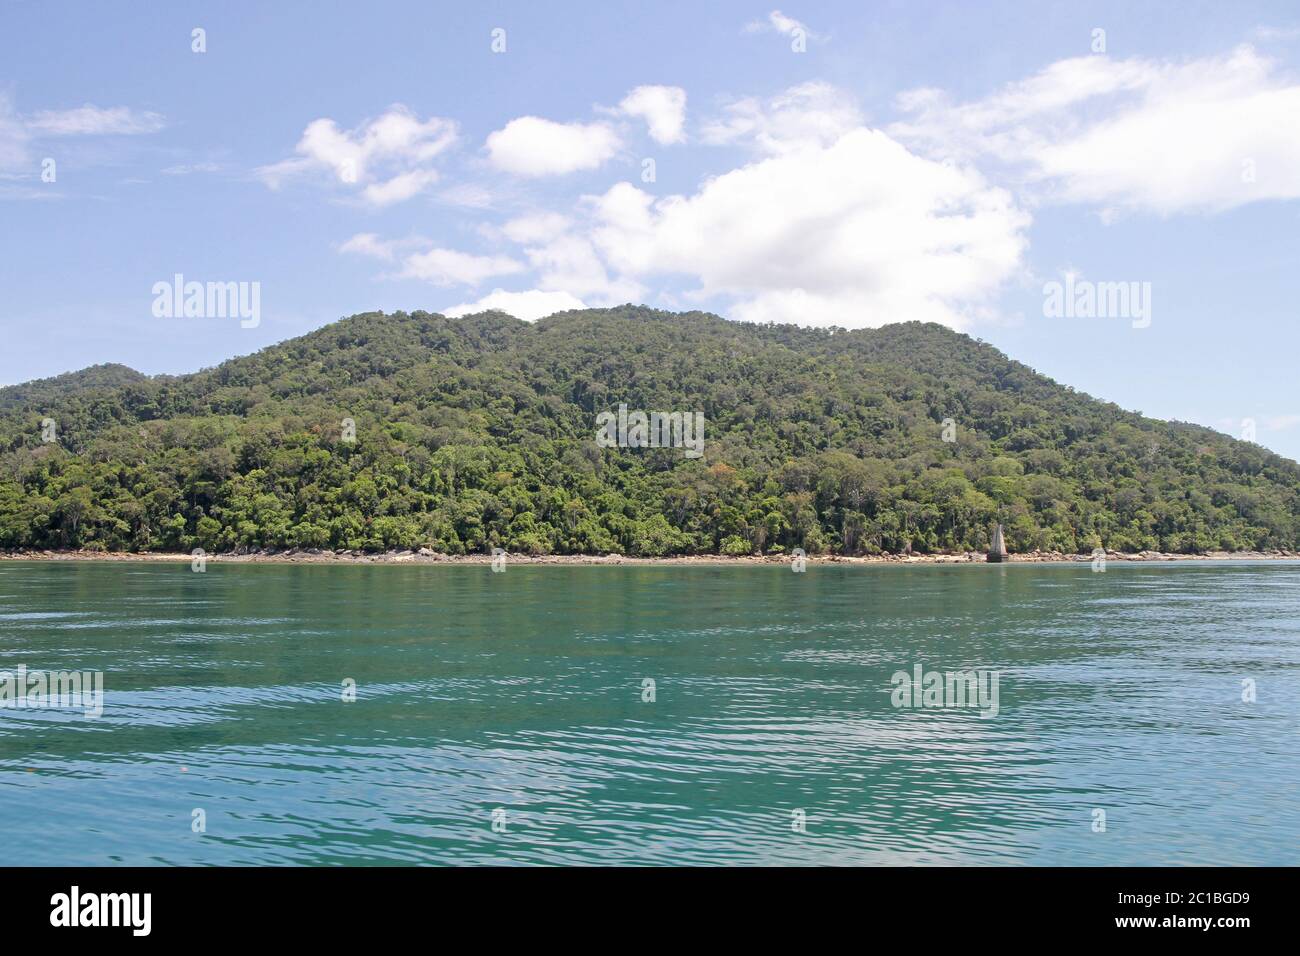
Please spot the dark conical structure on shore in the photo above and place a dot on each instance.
(998, 549)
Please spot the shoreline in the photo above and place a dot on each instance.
(424, 556)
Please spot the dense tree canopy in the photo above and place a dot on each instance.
(479, 432)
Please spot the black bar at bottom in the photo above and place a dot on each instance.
(300, 905)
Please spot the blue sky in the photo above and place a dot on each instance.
(830, 163)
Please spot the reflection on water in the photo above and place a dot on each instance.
(523, 692)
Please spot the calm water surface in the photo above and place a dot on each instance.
(522, 692)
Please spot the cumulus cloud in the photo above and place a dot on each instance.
(831, 222)
(532, 146)
(662, 107)
(571, 263)
(827, 220)
(857, 233)
(530, 306)
(388, 159)
(1203, 134)
(560, 252)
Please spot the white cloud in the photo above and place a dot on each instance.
(90, 120)
(13, 136)
(565, 259)
(400, 188)
(831, 222)
(418, 258)
(532, 146)
(662, 107)
(388, 159)
(445, 267)
(369, 244)
(538, 227)
(1203, 134)
(778, 22)
(468, 196)
(570, 263)
(186, 169)
(529, 306)
(1270, 34)
(18, 133)
(808, 115)
(857, 233)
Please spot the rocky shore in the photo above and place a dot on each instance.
(426, 556)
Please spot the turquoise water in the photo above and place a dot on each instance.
(522, 692)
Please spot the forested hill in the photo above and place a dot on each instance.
(480, 432)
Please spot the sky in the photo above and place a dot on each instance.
(847, 164)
